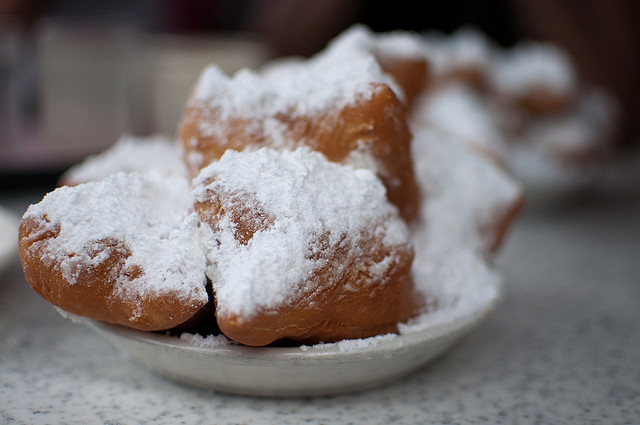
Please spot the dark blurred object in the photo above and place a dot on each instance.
(80, 74)
(294, 27)
(490, 16)
(602, 37)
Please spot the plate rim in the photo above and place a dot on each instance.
(415, 335)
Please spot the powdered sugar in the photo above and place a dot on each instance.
(148, 216)
(141, 154)
(326, 82)
(353, 345)
(461, 189)
(460, 112)
(309, 197)
(396, 44)
(466, 48)
(531, 66)
(460, 280)
(208, 341)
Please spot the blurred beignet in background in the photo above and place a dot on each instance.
(302, 249)
(537, 78)
(461, 112)
(339, 102)
(123, 250)
(478, 214)
(401, 54)
(525, 105)
(561, 127)
(464, 57)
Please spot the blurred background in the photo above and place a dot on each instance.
(75, 75)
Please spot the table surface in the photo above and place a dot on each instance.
(563, 347)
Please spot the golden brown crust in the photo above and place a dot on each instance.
(92, 294)
(377, 124)
(413, 75)
(543, 102)
(494, 229)
(497, 228)
(473, 77)
(347, 306)
(347, 298)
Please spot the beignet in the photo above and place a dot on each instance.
(122, 250)
(301, 248)
(344, 107)
(401, 54)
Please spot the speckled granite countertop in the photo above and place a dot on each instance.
(564, 347)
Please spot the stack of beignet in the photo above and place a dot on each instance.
(288, 207)
(552, 126)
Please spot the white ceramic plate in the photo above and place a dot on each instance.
(8, 238)
(299, 371)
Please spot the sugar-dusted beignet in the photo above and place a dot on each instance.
(463, 57)
(402, 54)
(122, 250)
(574, 143)
(341, 105)
(539, 78)
(462, 113)
(303, 249)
